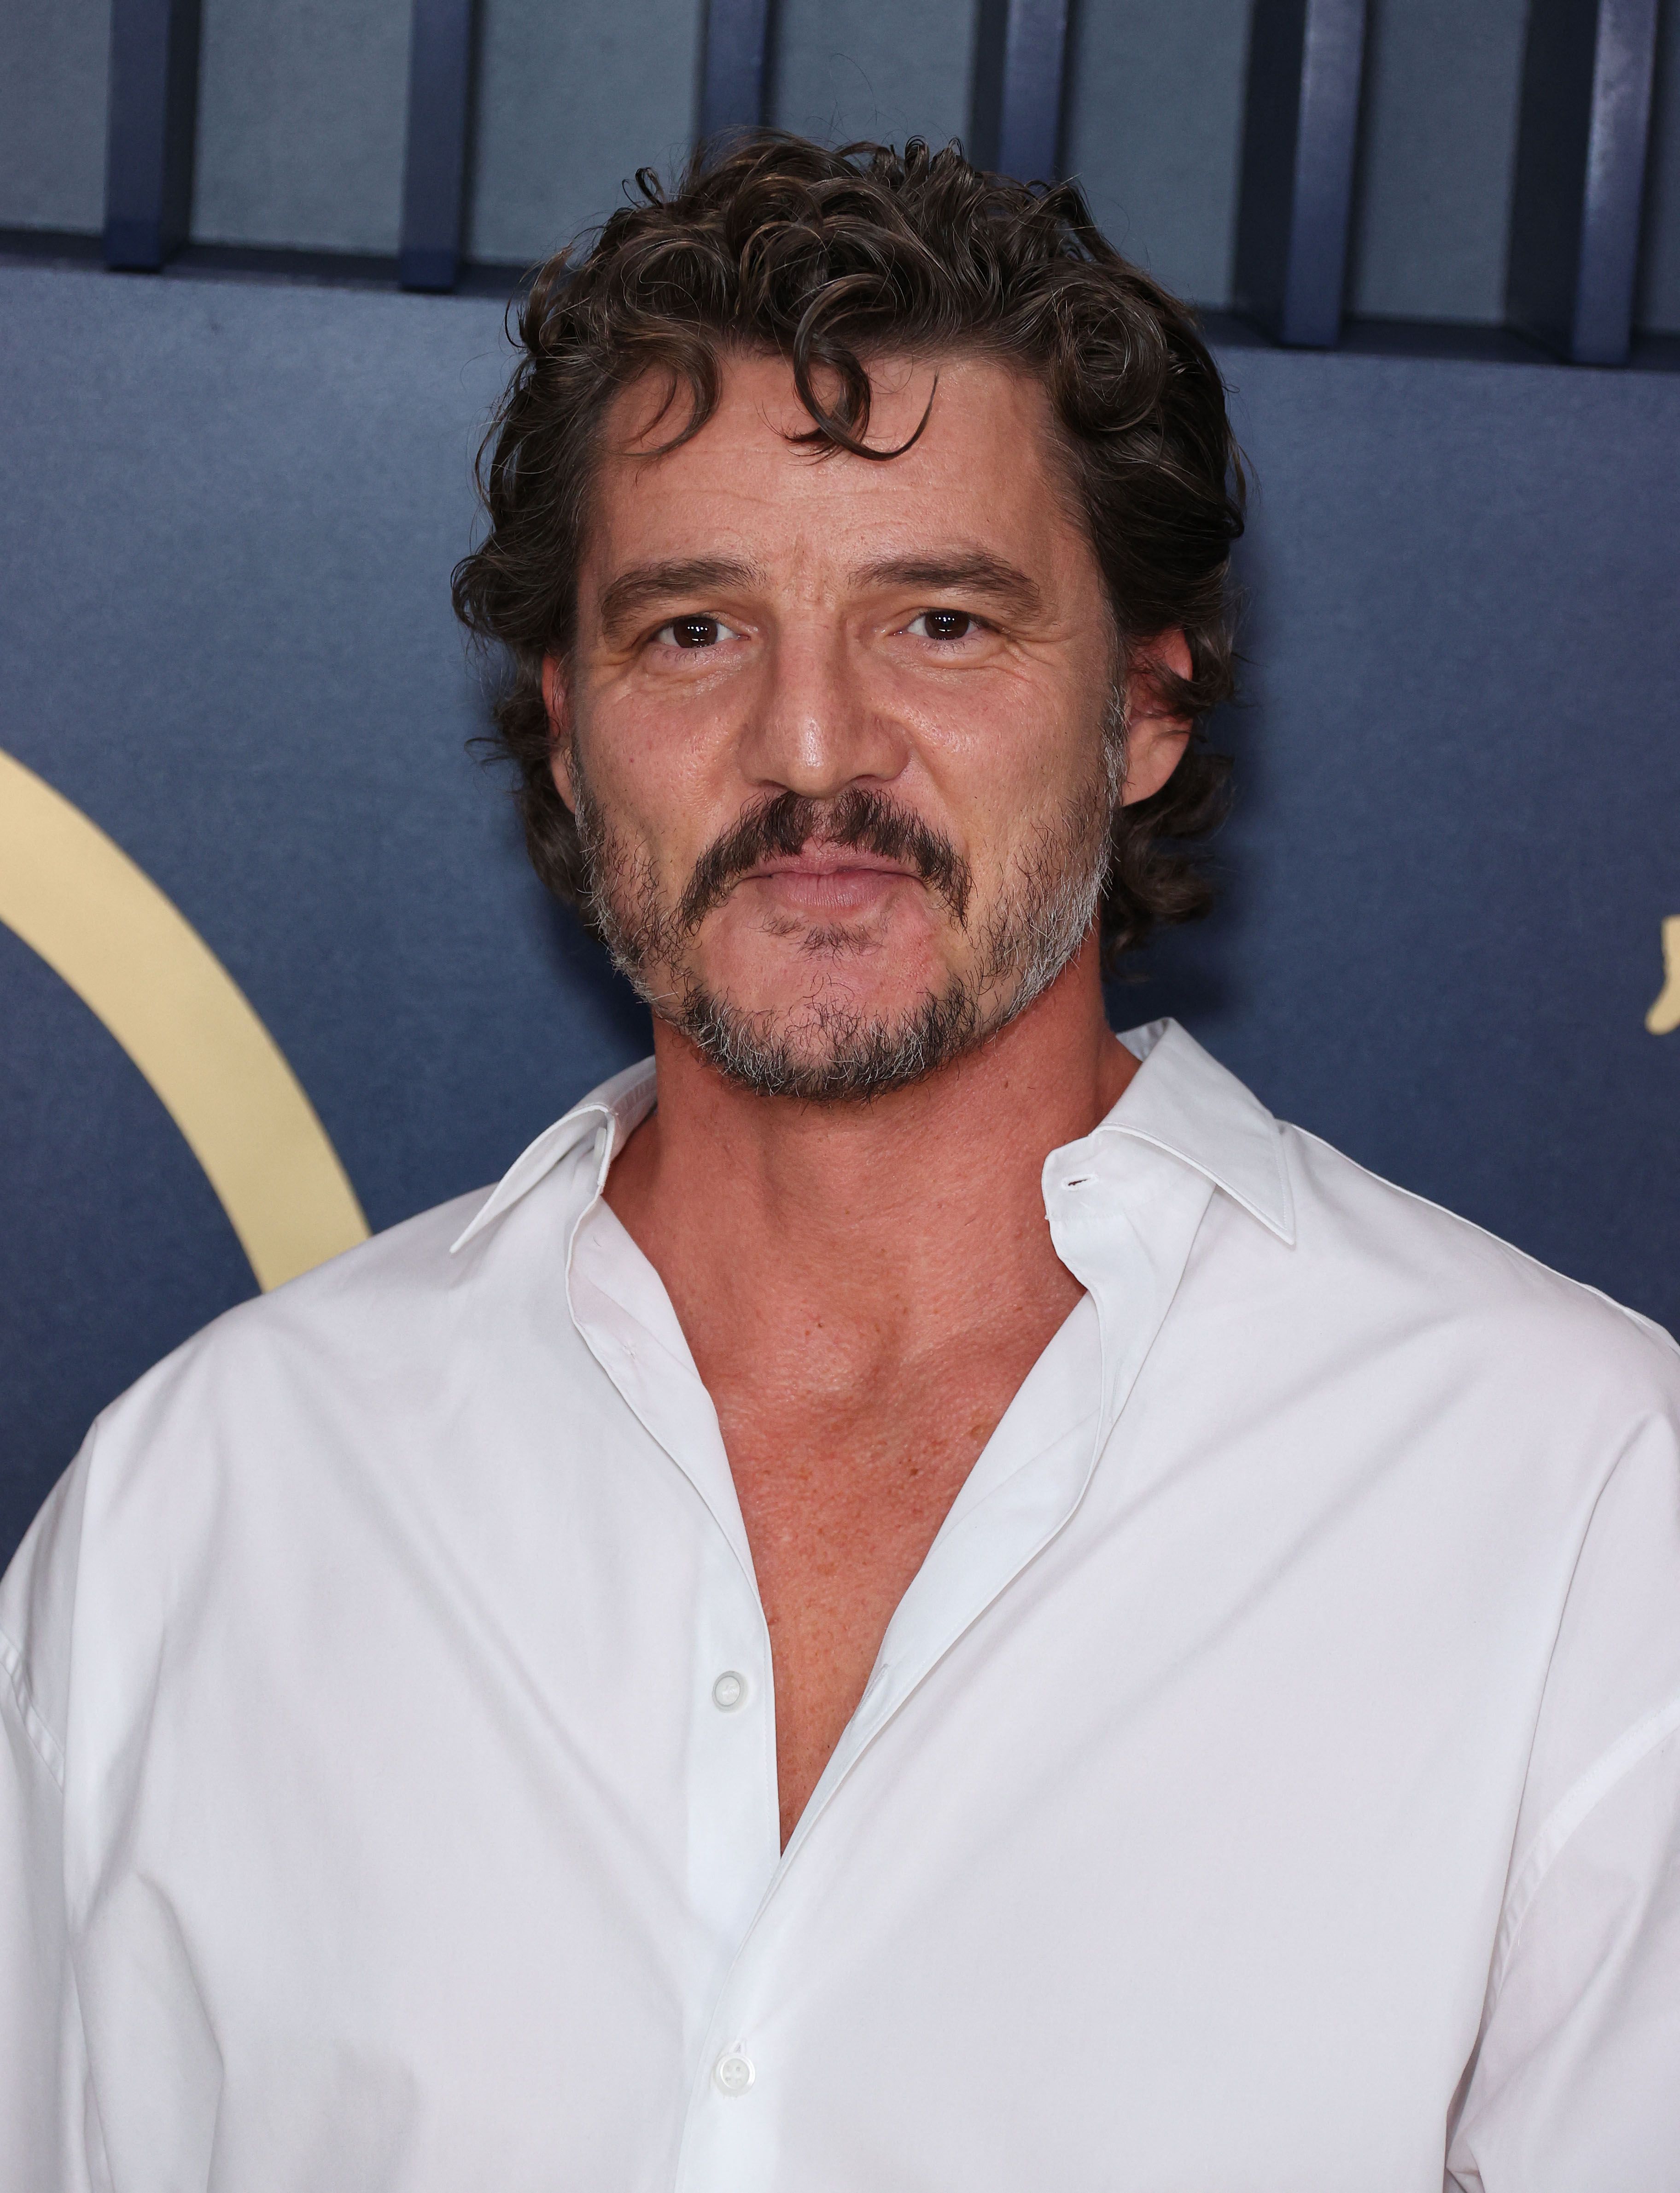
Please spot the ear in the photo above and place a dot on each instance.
(557, 700)
(1155, 736)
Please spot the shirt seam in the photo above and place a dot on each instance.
(45, 1743)
(1568, 1817)
(1637, 1319)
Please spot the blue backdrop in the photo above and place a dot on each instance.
(228, 510)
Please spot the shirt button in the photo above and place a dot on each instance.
(733, 2073)
(728, 1693)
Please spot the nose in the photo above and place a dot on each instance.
(813, 727)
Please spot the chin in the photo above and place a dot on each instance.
(785, 970)
(834, 1041)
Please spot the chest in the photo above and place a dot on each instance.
(853, 1467)
(842, 1492)
(1146, 1833)
(866, 1479)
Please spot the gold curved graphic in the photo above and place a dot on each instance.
(1664, 1016)
(76, 898)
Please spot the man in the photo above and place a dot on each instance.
(923, 1597)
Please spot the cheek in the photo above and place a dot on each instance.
(1000, 773)
(650, 769)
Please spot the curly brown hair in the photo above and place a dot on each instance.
(828, 258)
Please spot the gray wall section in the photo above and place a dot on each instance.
(572, 100)
(1438, 146)
(849, 69)
(54, 57)
(301, 121)
(1153, 131)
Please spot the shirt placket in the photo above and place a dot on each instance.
(733, 1838)
(1123, 1218)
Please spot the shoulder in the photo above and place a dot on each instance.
(1337, 1271)
(338, 1404)
(308, 1427)
(1392, 1258)
(351, 1368)
(285, 1424)
(369, 1314)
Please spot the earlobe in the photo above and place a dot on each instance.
(1156, 749)
(1157, 734)
(557, 701)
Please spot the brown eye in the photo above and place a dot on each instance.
(944, 624)
(695, 632)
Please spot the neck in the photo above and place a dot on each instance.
(890, 1221)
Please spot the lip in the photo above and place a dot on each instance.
(828, 860)
(829, 879)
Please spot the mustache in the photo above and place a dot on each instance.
(785, 822)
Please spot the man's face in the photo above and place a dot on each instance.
(840, 736)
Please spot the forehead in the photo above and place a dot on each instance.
(985, 469)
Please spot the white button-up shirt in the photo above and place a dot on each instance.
(1270, 1780)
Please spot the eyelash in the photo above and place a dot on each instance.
(698, 616)
(666, 634)
(949, 639)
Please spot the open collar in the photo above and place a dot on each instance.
(1181, 1100)
(610, 1114)
(1184, 1102)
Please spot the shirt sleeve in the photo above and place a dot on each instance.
(46, 2105)
(1576, 2078)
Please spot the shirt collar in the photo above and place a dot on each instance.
(611, 1114)
(1181, 1100)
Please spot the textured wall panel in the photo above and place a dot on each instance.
(1456, 839)
(228, 640)
(1657, 306)
(1442, 80)
(1155, 132)
(845, 69)
(863, 69)
(571, 101)
(300, 111)
(53, 60)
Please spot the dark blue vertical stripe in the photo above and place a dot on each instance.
(735, 66)
(150, 123)
(434, 167)
(1300, 132)
(1020, 69)
(1581, 175)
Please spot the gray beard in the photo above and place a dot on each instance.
(828, 1051)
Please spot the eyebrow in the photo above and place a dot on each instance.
(645, 587)
(971, 571)
(649, 586)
